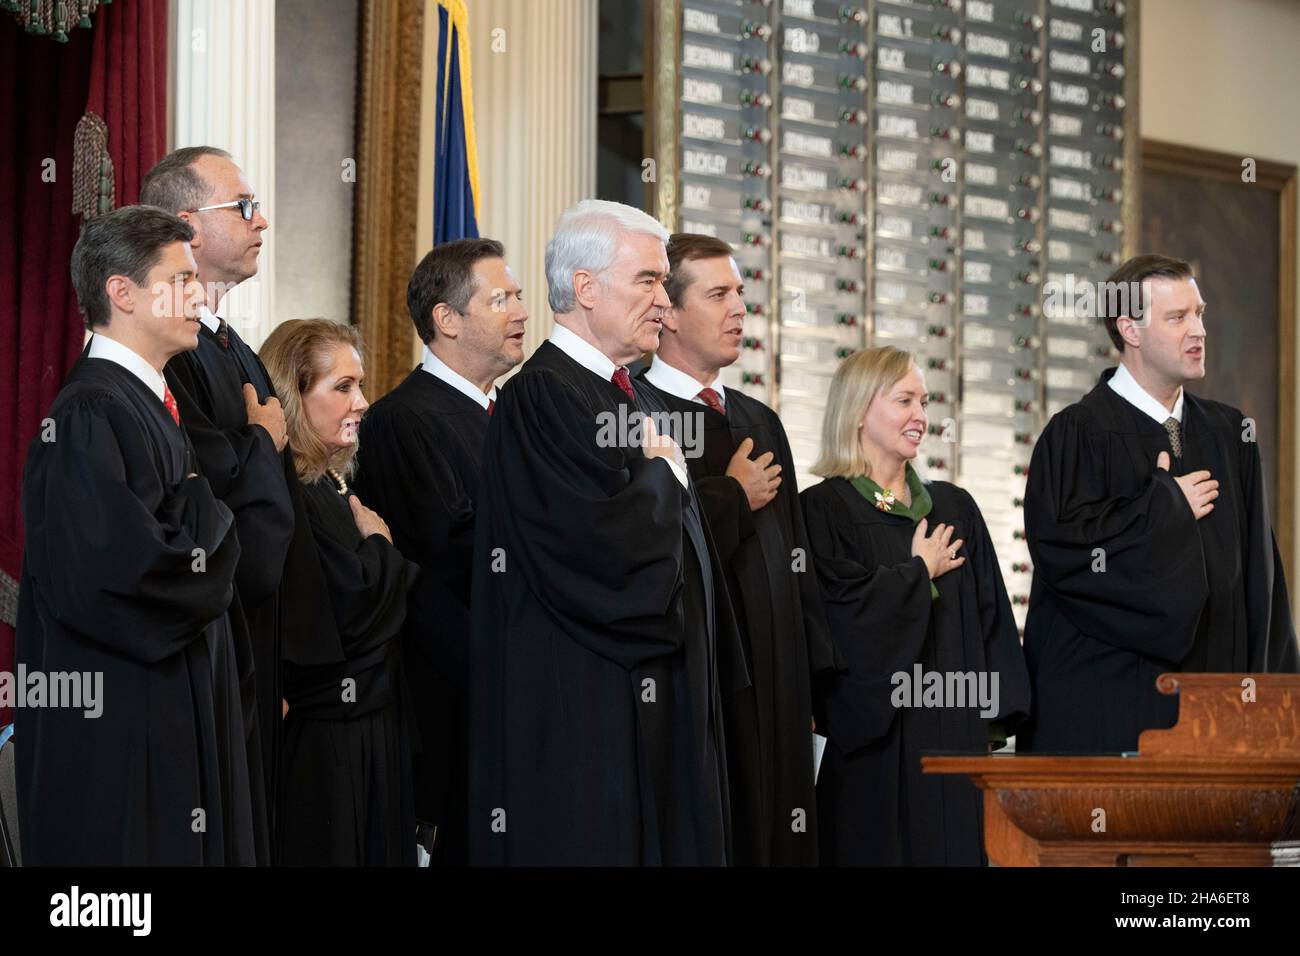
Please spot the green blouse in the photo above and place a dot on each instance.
(878, 497)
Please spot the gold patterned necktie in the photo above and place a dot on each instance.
(1175, 436)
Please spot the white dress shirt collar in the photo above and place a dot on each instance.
(441, 370)
(102, 347)
(598, 363)
(674, 381)
(1127, 387)
(209, 318)
(582, 352)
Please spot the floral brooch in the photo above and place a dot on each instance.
(886, 501)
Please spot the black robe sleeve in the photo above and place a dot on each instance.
(732, 523)
(1003, 654)
(1150, 595)
(1270, 634)
(436, 530)
(308, 633)
(878, 617)
(727, 507)
(823, 659)
(367, 579)
(156, 564)
(247, 473)
(597, 531)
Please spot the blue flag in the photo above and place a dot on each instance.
(455, 171)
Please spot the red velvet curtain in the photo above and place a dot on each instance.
(118, 70)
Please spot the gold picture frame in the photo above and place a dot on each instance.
(388, 184)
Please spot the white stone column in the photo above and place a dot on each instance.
(223, 94)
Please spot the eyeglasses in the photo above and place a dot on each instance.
(246, 207)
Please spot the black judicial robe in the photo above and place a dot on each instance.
(420, 452)
(110, 584)
(876, 807)
(254, 481)
(602, 641)
(346, 796)
(1176, 594)
(779, 613)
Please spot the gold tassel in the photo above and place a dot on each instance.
(92, 169)
(8, 600)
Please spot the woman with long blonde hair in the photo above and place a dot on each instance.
(918, 611)
(345, 792)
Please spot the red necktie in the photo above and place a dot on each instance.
(713, 400)
(623, 381)
(170, 401)
(491, 406)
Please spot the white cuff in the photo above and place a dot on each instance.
(677, 470)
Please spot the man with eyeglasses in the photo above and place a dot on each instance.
(234, 421)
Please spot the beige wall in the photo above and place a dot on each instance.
(315, 132)
(1223, 76)
(535, 113)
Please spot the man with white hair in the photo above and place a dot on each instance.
(602, 632)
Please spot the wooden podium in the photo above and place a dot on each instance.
(1219, 788)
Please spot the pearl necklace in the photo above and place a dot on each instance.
(338, 481)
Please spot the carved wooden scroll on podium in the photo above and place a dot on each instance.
(1219, 788)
